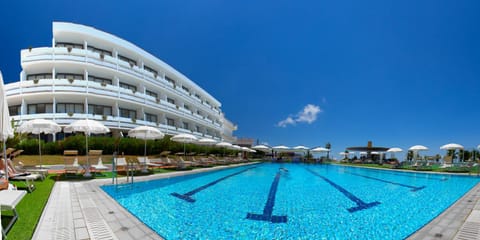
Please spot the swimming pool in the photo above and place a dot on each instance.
(291, 201)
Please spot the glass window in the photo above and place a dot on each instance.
(170, 100)
(15, 110)
(185, 88)
(39, 108)
(67, 44)
(128, 113)
(39, 76)
(128, 86)
(150, 117)
(126, 59)
(170, 80)
(99, 109)
(150, 69)
(69, 76)
(186, 106)
(150, 93)
(99, 79)
(185, 125)
(170, 122)
(70, 108)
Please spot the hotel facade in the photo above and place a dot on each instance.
(91, 74)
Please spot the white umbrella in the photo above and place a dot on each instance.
(38, 126)
(415, 149)
(452, 146)
(88, 127)
(320, 149)
(184, 138)
(281, 148)
(6, 130)
(206, 141)
(224, 145)
(394, 150)
(301, 148)
(145, 133)
(262, 148)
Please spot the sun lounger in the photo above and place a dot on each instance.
(8, 202)
(71, 162)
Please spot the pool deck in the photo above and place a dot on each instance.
(81, 210)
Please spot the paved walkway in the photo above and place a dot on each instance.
(80, 210)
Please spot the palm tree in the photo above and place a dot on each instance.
(328, 146)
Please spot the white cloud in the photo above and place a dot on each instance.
(307, 115)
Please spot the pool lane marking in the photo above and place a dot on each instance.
(414, 189)
(268, 209)
(361, 205)
(187, 196)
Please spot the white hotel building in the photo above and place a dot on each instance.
(88, 73)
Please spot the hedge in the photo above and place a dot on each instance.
(127, 146)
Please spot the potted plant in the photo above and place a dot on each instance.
(104, 84)
(70, 114)
(29, 48)
(35, 81)
(134, 120)
(104, 117)
(102, 56)
(69, 49)
(70, 80)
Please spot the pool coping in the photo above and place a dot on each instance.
(81, 210)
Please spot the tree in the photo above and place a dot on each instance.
(328, 146)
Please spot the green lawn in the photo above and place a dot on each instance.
(29, 209)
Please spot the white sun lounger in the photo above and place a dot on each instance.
(8, 201)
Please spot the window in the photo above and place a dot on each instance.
(128, 86)
(70, 108)
(170, 122)
(170, 80)
(186, 106)
(69, 76)
(15, 110)
(39, 108)
(39, 76)
(128, 113)
(185, 125)
(197, 96)
(170, 100)
(69, 45)
(197, 128)
(150, 93)
(100, 109)
(199, 112)
(150, 117)
(126, 59)
(185, 88)
(99, 50)
(99, 79)
(150, 70)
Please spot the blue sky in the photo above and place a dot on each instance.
(399, 73)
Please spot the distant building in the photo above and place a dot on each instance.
(245, 142)
(88, 73)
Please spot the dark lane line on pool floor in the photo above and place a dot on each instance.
(268, 209)
(187, 196)
(414, 189)
(361, 205)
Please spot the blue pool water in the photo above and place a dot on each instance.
(291, 201)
